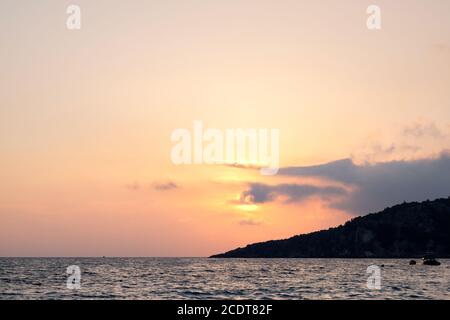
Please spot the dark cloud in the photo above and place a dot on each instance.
(261, 193)
(341, 170)
(165, 186)
(376, 186)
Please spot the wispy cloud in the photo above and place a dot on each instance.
(249, 222)
(135, 186)
(441, 47)
(165, 186)
(417, 140)
(419, 130)
(243, 166)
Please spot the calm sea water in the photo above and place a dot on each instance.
(202, 278)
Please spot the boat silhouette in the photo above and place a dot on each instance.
(429, 260)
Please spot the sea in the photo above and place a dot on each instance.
(204, 278)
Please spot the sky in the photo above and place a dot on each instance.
(86, 118)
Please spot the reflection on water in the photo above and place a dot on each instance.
(201, 278)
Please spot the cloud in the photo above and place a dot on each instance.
(249, 222)
(133, 186)
(417, 140)
(441, 48)
(261, 193)
(420, 130)
(376, 186)
(341, 170)
(165, 186)
(380, 174)
(243, 166)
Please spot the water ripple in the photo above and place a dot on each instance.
(200, 278)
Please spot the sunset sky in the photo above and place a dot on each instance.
(86, 118)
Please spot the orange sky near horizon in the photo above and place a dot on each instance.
(86, 116)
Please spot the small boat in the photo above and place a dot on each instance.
(412, 262)
(429, 260)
